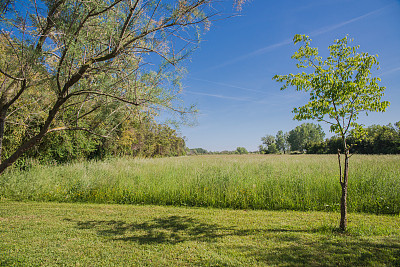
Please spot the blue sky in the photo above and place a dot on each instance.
(230, 75)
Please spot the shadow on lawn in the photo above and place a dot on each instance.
(273, 246)
(172, 230)
(325, 252)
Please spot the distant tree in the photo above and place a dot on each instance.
(272, 149)
(241, 150)
(261, 149)
(341, 87)
(198, 151)
(305, 134)
(267, 141)
(377, 139)
(281, 141)
(397, 127)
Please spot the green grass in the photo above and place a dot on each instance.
(73, 234)
(275, 182)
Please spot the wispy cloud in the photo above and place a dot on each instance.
(289, 41)
(344, 23)
(390, 71)
(252, 54)
(227, 85)
(245, 99)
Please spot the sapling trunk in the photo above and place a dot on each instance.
(344, 185)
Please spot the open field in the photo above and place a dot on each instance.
(275, 182)
(73, 234)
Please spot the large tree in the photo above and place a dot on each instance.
(306, 133)
(89, 65)
(341, 87)
(281, 140)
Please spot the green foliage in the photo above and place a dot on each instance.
(272, 149)
(278, 182)
(268, 146)
(281, 141)
(340, 87)
(377, 139)
(90, 66)
(198, 151)
(144, 138)
(241, 151)
(304, 134)
(295, 140)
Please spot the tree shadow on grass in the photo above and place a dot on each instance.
(328, 252)
(276, 246)
(171, 229)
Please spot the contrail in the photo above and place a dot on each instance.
(221, 96)
(287, 42)
(390, 71)
(227, 85)
(334, 27)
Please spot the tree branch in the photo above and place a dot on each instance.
(75, 129)
(104, 94)
(10, 76)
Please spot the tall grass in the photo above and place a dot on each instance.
(295, 182)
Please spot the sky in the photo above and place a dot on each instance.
(230, 76)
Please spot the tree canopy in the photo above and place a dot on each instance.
(306, 133)
(89, 66)
(340, 87)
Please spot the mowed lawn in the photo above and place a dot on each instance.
(75, 234)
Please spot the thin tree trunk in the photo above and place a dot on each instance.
(344, 184)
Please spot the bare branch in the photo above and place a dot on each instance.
(10, 76)
(49, 24)
(23, 88)
(75, 129)
(104, 94)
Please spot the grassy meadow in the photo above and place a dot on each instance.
(268, 182)
(80, 234)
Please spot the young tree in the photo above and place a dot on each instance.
(340, 87)
(96, 59)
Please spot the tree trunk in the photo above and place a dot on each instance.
(2, 122)
(344, 184)
(34, 140)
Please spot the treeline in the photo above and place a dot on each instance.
(202, 151)
(377, 139)
(309, 138)
(139, 137)
(294, 140)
